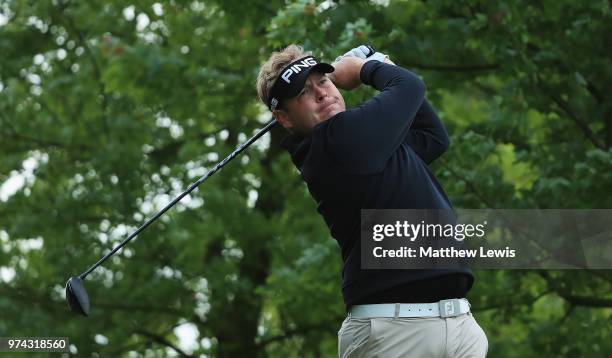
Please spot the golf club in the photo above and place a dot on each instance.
(77, 297)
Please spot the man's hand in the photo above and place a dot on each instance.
(363, 51)
(346, 73)
(387, 60)
(348, 66)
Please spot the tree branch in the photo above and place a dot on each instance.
(594, 91)
(167, 152)
(146, 308)
(294, 332)
(163, 341)
(572, 299)
(452, 67)
(521, 303)
(579, 121)
(468, 183)
(124, 348)
(43, 142)
(70, 24)
(586, 301)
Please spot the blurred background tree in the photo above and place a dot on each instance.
(110, 108)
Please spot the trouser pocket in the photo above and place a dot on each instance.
(353, 337)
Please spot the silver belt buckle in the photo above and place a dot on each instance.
(449, 308)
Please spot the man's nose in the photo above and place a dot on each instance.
(320, 93)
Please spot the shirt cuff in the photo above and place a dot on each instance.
(367, 69)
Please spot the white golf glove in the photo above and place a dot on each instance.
(364, 52)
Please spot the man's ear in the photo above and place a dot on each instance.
(283, 118)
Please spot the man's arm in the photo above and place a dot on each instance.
(362, 139)
(427, 135)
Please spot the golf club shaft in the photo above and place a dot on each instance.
(219, 165)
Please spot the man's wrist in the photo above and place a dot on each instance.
(347, 73)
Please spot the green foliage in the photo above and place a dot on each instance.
(109, 108)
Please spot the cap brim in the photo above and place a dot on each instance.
(300, 80)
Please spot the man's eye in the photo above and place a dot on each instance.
(323, 80)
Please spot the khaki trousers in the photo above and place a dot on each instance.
(436, 337)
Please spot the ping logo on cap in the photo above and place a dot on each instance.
(297, 68)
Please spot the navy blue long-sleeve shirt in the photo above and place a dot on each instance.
(375, 156)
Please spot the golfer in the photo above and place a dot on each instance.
(373, 156)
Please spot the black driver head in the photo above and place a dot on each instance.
(78, 301)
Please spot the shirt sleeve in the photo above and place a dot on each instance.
(362, 139)
(427, 135)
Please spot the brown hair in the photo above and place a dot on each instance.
(269, 71)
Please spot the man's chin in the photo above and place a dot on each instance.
(330, 113)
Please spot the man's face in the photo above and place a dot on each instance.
(319, 101)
